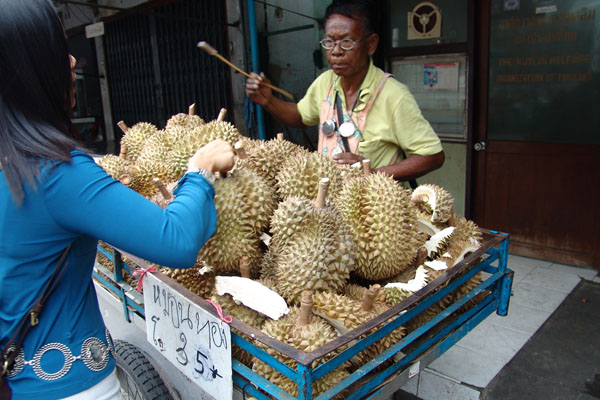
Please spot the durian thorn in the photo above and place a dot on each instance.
(192, 109)
(420, 198)
(239, 150)
(306, 304)
(366, 163)
(123, 152)
(245, 266)
(322, 194)
(163, 189)
(121, 124)
(222, 114)
(369, 297)
(280, 136)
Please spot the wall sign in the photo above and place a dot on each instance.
(192, 339)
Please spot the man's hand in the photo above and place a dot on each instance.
(347, 158)
(256, 91)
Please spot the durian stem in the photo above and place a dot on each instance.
(121, 124)
(192, 109)
(245, 266)
(125, 179)
(322, 194)
(222, 114)
(280, 136)
(239, 150)
(306, 305)
(366, 163)
(123, 152)
(163, 189)
(369, 297)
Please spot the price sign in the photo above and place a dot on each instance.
(192, 339)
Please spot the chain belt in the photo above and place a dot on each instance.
(94, 354)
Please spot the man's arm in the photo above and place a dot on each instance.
(284, 111)
(413, 166)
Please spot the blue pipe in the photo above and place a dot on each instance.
(260, 121)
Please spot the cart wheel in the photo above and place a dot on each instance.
(138, 378)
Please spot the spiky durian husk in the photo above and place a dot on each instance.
(268, 266)
(134, 138)
(144, 171)
(217, 130)
(155, 148)
(438, 208)
(198, 279)
(305, 338)
(244, 205)
(394, 296)
(351, 314)
(114, 166)
(382, 220)
(266, 158)
(185, 121)
(312, 246)
(316, 260)
(300, 176)
(182, 149)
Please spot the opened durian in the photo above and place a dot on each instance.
(300, 176)
(312, 245)
(382, 220)
(433, 203)
(304, 332)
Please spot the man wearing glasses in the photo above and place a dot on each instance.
(362, 112)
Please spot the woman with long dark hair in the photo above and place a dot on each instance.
(52, 195)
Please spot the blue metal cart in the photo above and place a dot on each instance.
(380, 377)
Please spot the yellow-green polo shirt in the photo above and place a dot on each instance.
(395, 120)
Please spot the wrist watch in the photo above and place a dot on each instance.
(209, 176)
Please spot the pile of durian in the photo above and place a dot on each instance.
(349, 242)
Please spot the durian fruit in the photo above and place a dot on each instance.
(354, 313)
(218, 129)
(382, 220)
(300, 176)
(314, 249)
(115, 166)
(266, 157)
(143, 172)
(357, 292)
(199, 279)
(135, 137)
(244, 207)
(304, 332)
(187, 121)
(184, 145)
(433, 203)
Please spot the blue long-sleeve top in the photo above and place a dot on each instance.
(77, 202)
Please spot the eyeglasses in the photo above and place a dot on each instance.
(345, 44)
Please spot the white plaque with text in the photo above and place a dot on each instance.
(192, 339)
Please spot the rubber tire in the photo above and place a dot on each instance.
(142, 378)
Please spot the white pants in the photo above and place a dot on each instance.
(107, 389)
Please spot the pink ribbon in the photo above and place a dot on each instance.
(228, 319)
(141, 272)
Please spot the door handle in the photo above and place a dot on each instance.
(479, 146)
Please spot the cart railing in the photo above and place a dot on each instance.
(425, 343)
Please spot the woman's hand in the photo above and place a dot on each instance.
(256, 91)
(216, 156)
